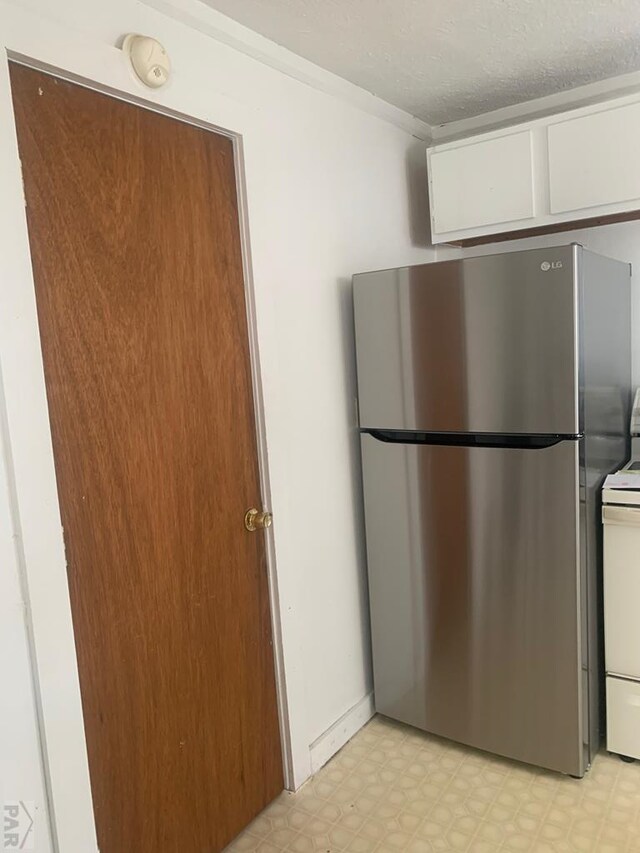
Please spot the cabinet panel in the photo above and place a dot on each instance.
(623, 717)
(622, 589)
(482, 183)
(593, 159)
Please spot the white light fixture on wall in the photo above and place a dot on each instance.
(148, 58)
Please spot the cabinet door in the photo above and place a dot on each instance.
(481, 183)
(593, 160)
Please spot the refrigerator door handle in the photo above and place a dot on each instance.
(463, 439)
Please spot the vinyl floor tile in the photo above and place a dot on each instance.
(393, 789)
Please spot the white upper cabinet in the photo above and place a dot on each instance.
(580, 165)
(482, 182)
(595, 159)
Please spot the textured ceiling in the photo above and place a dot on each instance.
(443, 60)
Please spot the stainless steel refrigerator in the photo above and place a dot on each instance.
(493, 395)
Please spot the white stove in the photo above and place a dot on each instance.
(621, 523)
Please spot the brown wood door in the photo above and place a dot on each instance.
(133, 224)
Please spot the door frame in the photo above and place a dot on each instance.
(40, 557)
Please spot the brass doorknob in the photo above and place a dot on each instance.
(256, 520)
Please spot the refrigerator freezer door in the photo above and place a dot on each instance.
(483, 344)
(475, 595)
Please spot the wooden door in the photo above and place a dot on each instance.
(133, 224)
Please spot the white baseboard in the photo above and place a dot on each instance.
(335, 737)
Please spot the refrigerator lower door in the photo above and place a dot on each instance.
(473, 556)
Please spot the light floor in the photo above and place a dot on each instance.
(393, 788)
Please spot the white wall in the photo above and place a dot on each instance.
(21, 776)
(620, 241)
(331, 190)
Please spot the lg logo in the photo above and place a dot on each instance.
(545, 266)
